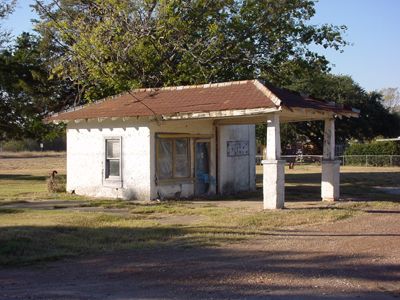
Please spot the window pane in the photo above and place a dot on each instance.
(181, 167)
(113, 149)
(112, 167)
(164, 159)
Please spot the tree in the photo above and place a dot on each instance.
(374, 120)
(6, 8)
(115, 45)
(391, 98)
(27, 93)
(110, 46)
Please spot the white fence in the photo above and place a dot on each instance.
(346, 160)
(371, 160)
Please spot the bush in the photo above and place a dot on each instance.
(373, 154)
(374, 148)
(20, 145)
(57, 144)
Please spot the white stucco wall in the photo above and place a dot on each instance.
(86, 159)
(236, 173)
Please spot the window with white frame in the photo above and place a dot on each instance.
(172, 158)
(113, 158)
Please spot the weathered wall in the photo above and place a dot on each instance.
(86, 158)
(236, 173)
(182, 188)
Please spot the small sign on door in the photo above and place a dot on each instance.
(237, 148)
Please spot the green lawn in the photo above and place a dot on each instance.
(91, 226)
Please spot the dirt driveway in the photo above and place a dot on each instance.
(358, 258)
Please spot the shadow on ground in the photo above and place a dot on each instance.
(176, 271)
(22, 177)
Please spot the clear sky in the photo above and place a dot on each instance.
(373, 60)
(374, 30)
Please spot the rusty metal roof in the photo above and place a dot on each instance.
(169, 101)
(292, 99)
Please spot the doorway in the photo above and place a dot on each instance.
(202, 167)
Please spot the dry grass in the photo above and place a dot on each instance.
(23, 176)
(33, 165)
(357, 183)
(28, 236)
(31, 154)
(32, 235)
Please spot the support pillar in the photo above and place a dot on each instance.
(330, 179)
(274, 183)
(273, 166)
(330, 183)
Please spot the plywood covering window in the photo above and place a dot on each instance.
(173, 158)
(113, 158)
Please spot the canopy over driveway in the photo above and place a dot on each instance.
(237, 102)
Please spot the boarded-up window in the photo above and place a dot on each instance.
(164, 158)
(113, 158)
(181, 165)
(173, 159)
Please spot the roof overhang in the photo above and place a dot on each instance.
(214, 115)
(240, 102)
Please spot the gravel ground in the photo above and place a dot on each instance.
(358, 258)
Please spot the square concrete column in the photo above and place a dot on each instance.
(330, 181)
(273, 166)
(274, 183)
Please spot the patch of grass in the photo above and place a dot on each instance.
(179, 208)
(23, 175)
(33, 235)
(10, 211)
(357, 183)
(37, 236)
(46, 235)
(367, 205)
(107, 203)
(28, 235)
(291, 217)
(31, 154)
(30, 187)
